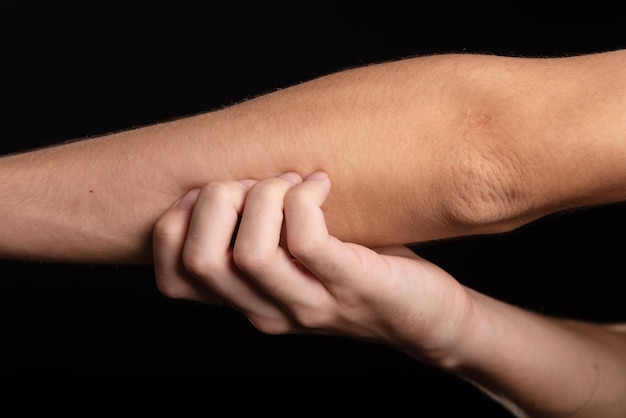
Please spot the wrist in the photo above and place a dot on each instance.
(447, 345)
(464, 343)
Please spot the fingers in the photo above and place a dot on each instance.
(212, 225)
(308, 239)
(169, 237)
(305, 221)
(192, 248)
(196, 257)
(208, 255)
(264, 249)
(192, 240)
(295, 207)
(193, 254)
(257, 251)
(259, 233)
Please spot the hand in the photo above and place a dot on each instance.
(263, 248)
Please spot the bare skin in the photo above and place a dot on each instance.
(287, 274)
(419, 149)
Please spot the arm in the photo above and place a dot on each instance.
(419, 149)
(540, 366)
(300, 279)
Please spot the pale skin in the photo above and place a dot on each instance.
(418, 149)
(288, 274)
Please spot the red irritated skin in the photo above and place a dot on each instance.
(418, 149)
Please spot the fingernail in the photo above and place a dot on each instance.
(188, 200)
(291, 177)
(318, 175)
(248, 182)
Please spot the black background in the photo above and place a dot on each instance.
(73, 69)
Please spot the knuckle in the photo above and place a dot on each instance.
(218, 190)
(165, 230)
(170, 287)
(271, 326)
(315, 314)
(306, 249)
(297, 195)
(310, 319)
(302, 250)
(251, 261)
(197, 263)
(268, 187)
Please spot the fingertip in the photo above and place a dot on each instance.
(317, 176)
(291, 177)
(248, 182)
(315, 187)
(188, 200)
(305, 219)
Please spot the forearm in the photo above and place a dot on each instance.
(418, 149)
(97, 199)
(544, 367)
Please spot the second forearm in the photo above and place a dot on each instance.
(544, 367)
